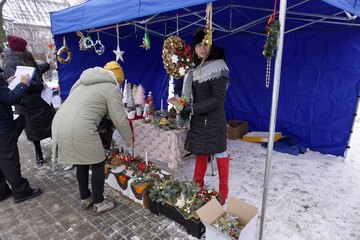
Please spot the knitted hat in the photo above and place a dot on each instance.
(116, 69)
(16, 43)
(198, 38)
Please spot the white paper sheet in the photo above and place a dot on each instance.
(21, 70)
(47, 94)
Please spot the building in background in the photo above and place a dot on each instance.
(30, 19)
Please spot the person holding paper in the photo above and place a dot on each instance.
(38, 113)
(10, 172)
(76, 138)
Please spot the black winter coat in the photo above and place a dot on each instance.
(37, 112)
(207, 134)
(7, 99)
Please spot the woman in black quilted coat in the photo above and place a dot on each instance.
(207, 134)
(37, 112)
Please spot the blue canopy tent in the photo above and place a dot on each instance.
(320, 65)
(317, 57)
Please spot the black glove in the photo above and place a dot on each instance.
(185, 112)
(186, 109)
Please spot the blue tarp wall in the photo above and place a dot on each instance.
(319, 80)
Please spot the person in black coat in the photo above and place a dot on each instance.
(37, 112)
(207, 84)
(10, 130)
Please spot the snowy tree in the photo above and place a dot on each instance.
(139, 98)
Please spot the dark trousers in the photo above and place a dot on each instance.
(38, 151)
(10, 167)
(97, 181)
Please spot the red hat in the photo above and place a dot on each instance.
(16, 43)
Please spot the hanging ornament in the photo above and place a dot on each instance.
(62, 50)
(118, 52)
(81, 41)
(146, 41)
(272, 33)
(98, 46)
(88, 42)
(208, 28)
(176, 56)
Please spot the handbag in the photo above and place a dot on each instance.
(106, 129)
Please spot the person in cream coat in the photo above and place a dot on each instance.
(76, 138)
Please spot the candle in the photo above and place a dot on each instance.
(161, 105)
(146, 159)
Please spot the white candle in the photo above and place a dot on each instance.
(161, 105)
(146, 159)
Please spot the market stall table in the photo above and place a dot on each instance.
(160, 145)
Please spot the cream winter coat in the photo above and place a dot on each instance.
(76, 139)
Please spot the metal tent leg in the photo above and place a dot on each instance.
(212, 165)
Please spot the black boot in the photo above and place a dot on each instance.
(39, 157)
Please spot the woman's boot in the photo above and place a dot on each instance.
(39, 157)
(200, 169)
(223, 168)
(39, 154)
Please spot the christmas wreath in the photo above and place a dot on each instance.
(272, 32)
(62, 50)
(176, 56)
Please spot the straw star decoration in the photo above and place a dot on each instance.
(119, 54)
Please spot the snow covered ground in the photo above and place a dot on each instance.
(311, 196)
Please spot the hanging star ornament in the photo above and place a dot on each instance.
(119, 54)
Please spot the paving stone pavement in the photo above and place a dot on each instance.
(56, 214)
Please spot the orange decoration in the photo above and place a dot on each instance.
(140, 189)
(122, 179)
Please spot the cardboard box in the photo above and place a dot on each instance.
(193, 226)
(236, 129)
(260, 136)
(247, 213)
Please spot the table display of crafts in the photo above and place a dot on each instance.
(133, 99)
(137, 105)
(185, 196)
(131, 175)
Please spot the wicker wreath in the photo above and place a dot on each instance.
(64, 49)
(176, 56)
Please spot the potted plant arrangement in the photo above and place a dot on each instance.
(178, 200)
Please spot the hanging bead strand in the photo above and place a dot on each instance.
(268, 72)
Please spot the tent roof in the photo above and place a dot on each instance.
(246, 15)
(96, 13)
(351, 6)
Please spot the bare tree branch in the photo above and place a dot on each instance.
(2, 30)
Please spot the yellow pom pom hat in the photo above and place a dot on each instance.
(116, 69)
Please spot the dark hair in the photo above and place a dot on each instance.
(29, 59)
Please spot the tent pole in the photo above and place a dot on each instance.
(274, 105)
(352, 126)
